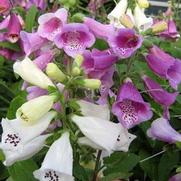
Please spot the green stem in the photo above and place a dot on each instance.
(94, 178)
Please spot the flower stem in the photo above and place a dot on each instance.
(94, 178)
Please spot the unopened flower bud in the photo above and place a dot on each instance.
(78, 17)
(79, 60)
(55, 73)
(126, 21)
(33, 110)
(76, 71)
(143, 3)
(92, 83)
(159, 27)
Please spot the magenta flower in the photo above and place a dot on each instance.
(162, 130)
(40, 4)
(14, 28)
(31, 42)
(171, 32)
(176, 177)
(160, 95)
(165, 65)
(6, 53)
(4, 6)
(50, 24)
(130, 107)
(102, 31)
(43, 59)
(125, 42)
(74, 39)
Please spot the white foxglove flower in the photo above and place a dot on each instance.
(20, 142)
(33, 110)
(130, 14)
(107, 135)
(117, 12)
(58, 162)
(28, 71)
(91, 109)
(142, 22)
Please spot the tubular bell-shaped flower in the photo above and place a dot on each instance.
(4, 6)
(74, 39)
(117, 12)
(165, 65)
(162, 130)
(142, 22)
(20, 142)
(50, 24)
(103, 133)
(130, 107)
(32, 74)
(125, 42)
(40, 4)
(31, 111)
(31, 42)
(160, 95)
(58, 162)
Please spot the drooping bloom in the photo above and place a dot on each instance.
(142, 22)
(31, 42)
(32, 74)
(50, 24)
(160, 95)
(103, 134)
(162, 130)
(91, 109)
(117, 12)
(165, 65)
(4, 6)
(125, 42)
(58, 162)
(43, 59)
(171, 32)
(34, 91)
(74, 39)
(159, 26)
(20, 142)
(14, 28)
(30, 112)
(176, 177)
(40, 4)
(130, 107)
(100, 30)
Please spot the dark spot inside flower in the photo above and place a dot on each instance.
(12, 139)
(51, 176)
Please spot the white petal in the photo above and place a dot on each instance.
(32, 74)
(118, 11)
(102, 132)
(29, 132)
(60, 156)
(91, 109)
(27, 151)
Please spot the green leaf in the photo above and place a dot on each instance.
(115, 176)
(23, 171)
(101, 44)
(120, 162)
(15, 104)
(167, 162)
(11, 46)
(30, 18)
(3, 172)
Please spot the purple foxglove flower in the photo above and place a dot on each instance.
(44, 58)
(4, 23)
(171, 32)
(74, 39)
(130, 107)
(176, 177)
(102, 31)
(4, 6)
(94, 5)
(14, 28)
(40, 4)
(6, 53)
(31, 42)
(162, 130)
(125, 42)
(165, 65)
(160, 95)
(34, 92)
(50, 24)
